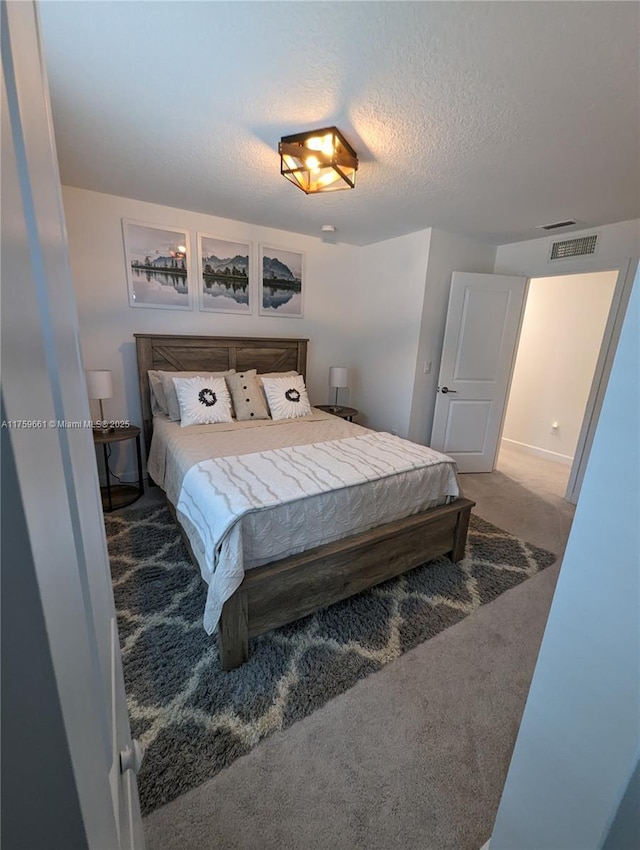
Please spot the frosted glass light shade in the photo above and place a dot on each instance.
(338, 376)
(100, 383)
(318, 160)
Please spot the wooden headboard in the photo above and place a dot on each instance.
(173, 353)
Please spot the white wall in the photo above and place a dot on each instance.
(579, 739)
(385, 329)
(447, 253)
(107, 322)
(363, 308)
(380, 310)
(559, 344)
(617, 242)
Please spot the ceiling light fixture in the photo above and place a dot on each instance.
(318, 161)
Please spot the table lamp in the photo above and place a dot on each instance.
(100, 385)
(338, 377)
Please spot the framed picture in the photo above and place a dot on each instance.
(281, 282)
(224, 275)
(158, 261)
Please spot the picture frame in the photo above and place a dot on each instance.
(158, 265)
(282, 281)
(225, 269)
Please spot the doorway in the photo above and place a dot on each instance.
(560, 342)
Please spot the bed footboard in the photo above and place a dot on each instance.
(284, 591)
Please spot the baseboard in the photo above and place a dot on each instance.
(556, 457)
(486, 846)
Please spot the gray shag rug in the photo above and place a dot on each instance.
(192, 719)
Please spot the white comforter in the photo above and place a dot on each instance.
(232, 507)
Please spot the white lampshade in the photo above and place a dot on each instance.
(100, 383)
(338, 376)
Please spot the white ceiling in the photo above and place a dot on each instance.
(480, 118)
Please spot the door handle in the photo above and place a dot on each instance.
(447, 390)
(131, 758)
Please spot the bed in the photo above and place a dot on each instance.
(269, 593)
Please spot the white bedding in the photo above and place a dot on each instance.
(285, 527)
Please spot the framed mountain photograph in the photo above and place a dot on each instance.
(158, 266)
(224, 275)
(281, 282)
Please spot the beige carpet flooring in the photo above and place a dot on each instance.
(415, 756)
(546, 478)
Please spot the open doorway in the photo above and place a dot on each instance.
(560, 341)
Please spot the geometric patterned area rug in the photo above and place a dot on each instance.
(192, 719)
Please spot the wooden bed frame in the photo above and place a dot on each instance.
(285, 590)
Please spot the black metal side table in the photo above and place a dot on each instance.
(116, 496)
(343, 412)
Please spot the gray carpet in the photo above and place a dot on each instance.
(193, 719)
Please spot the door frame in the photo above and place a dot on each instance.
(626, 270)
(604, 364)
(43, 390)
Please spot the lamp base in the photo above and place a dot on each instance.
(103, 429)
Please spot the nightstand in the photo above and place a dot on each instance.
(116, 496)
(343, 412)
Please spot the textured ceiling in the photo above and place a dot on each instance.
(480, 118)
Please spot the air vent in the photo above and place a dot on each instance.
(574, 247)
(557, 224)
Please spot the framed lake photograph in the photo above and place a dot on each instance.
(224, 275)
(158, 266)
(281, 281)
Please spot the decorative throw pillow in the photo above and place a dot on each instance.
(248, 398)
(202, 400)
(272, 375)
(173, 408)
(287, 397)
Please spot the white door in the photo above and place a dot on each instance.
(43, 387)
(481, 332)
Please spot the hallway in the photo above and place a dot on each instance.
(538, 474)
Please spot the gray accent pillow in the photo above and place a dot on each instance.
(247, 396)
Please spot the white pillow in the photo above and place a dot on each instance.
(272, 375)
(287, 397)
(173, 408)
(202, 400)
